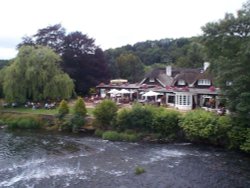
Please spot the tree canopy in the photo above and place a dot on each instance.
(35, 75)
(130, 67)
(81, 58)
(182, 52)
(228, 47)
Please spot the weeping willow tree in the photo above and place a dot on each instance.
(35, 75)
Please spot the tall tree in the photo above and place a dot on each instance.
(228, 47)
(35, 75)
(51, 36)
(81, 58)
(130, 67)
(84, 61)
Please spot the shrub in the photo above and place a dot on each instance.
(139, 170)
(166, 122)
(24, 122)
(224, 124)
(63, 109)
(115, 136)
(105, 114)
(200, 125)
(236, 137)
(77, 122)
(99, 132)
(130, 137)
(111, 135)
(246, 145)
(1, 122)
(79, 108)
(138, 118)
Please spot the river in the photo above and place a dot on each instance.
(46, 159)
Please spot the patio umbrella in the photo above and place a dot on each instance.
(114, 91)
(124, 91)
(151, 93)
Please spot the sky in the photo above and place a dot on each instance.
(112, 23)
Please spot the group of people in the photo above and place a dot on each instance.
(38, 105)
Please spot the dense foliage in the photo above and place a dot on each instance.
(81, 58)
(227, 43)
(149, 119)
(105, 114)
(139, 118)
(35, 75)
(63, 109)
(79, 108)
(116, 136)
(79, 113)
(183, 52)
(14, 121)
(166, 122)
(202, 126)
(130, 67)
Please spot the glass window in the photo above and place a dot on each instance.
(171, 99)
(204, 82)
(183, 100)
(181, 82)
(151, 80)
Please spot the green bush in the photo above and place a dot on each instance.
(236, 137)
(79, 108)
(77, 122)
(99, 132)
(63, 109)
(1, 122)
(139, 118)
(166, 122)
(105, 114)
(200, 126)
(24, 122)
(246, 145)
(130, 137)
(115, 136)
(224, 124)
(111, 135)
(139, 170)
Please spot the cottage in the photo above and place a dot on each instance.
(185, 88)
(181, 88)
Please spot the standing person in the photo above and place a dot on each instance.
(159, 101)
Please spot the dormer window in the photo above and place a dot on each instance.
(181, 83)
(204, 82)
(151, 80)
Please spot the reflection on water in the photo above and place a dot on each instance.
(32, 159)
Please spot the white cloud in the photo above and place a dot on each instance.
(7, 53)
(112, 23)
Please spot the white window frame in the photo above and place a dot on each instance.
(181, 82)
(183, 99)
(151, 80)
(204, 82)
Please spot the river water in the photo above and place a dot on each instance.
(42, 159)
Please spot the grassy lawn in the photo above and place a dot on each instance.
(42, 111)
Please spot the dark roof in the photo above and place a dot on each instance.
(154, 73)
(189, 77)
(187, 74)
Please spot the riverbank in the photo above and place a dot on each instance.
(148, 123)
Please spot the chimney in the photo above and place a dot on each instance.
(169, 70)
(206, 65)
